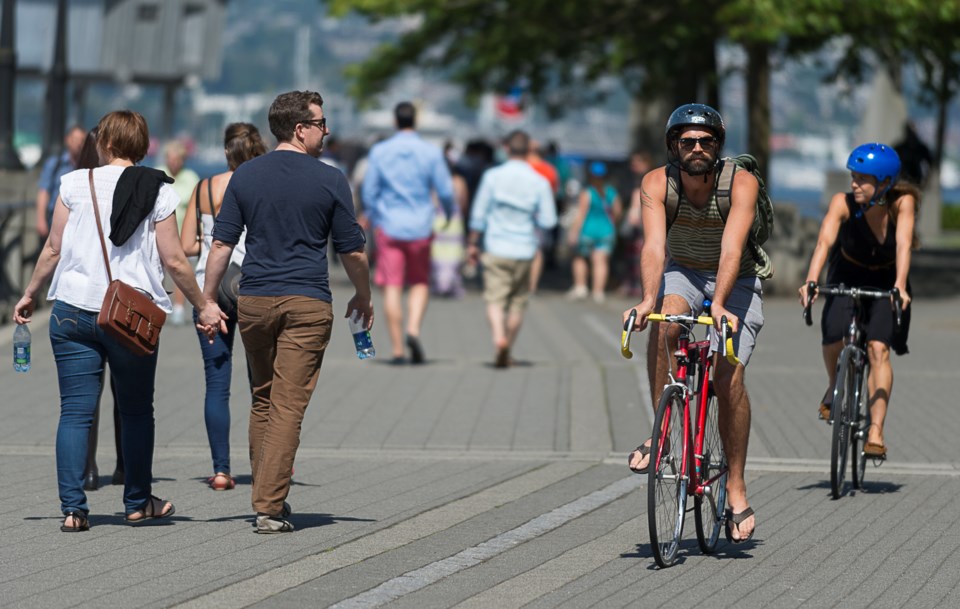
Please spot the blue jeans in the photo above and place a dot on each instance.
(81, 350)
(218, 372)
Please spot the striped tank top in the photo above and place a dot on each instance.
(693, 241)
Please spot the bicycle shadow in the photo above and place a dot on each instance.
(878, 487)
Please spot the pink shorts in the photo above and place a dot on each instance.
(400, 262)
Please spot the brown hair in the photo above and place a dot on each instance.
(89, 158)
(898, 191)
(242, 142)
(289, 109)
(124, 135)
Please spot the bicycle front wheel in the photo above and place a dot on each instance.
(861, 418)
(667, 482)
(843, 398)
(708, 512)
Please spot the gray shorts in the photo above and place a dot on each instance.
(745, 301)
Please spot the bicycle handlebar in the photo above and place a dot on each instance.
(726, 340)
(842, 290)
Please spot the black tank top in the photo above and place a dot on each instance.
(858, 258)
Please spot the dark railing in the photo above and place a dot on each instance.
(19, 247)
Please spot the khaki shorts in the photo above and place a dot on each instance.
(506, 282)
(745, 301)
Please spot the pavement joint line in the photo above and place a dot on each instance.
(417, 579)
(643, 383)
(764, 464)
(262, 586)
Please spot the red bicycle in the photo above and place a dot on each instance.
(687, 457)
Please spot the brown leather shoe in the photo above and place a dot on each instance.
(874, 450)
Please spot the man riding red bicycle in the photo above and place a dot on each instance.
(711, 256)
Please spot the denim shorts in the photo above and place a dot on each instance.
(745, 301)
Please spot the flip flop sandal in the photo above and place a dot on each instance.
(875, 451)
(80, 522)
(736, 519)
(644, 451)
(149, 511)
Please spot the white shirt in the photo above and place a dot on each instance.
(81, 278)
(239, 250)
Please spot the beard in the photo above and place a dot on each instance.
(697, 165)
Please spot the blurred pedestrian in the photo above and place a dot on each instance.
(185, 180)
(632, 229)
(54, 168)
(241, 142)
(291, 207)
(143, 238)
(545, 240)
(915, 157)
(88, 159)
(593, 233)
(402, 174)
(514, 203)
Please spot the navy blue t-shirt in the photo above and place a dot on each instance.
(290, 204)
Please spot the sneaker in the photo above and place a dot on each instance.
(269, 525)
(599, 297)
(578, 292)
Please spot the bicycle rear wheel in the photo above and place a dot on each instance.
(708, 512)
(840, 412)
(859, 436)
(667, 484)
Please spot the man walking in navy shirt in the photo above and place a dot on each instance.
(290, 206)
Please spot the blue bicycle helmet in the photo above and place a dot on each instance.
(598, 168)
(877, 160)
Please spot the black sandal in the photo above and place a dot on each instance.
(644, 451)
(736, 519)
(80, 522)
(149, 511)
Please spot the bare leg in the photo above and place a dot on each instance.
(734, 420)
(536, 269)
(879, 385)
(658, 362)
(495, 315)
(393, 311)
(514, 321)
(579, 269)
(831, 353)
(601, 269)
(418, 296)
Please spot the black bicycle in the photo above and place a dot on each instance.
(850, 412)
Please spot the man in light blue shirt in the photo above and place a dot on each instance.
(54, 168)
(403, 172)
(513, 201)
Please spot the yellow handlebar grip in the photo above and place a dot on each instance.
(656, 317)
(705, 321)
(731, 356)
(625, 345)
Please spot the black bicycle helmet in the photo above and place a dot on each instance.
(695, 115)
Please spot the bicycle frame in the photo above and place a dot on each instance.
(694, 367)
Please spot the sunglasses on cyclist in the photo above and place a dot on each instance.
(318, 122)
(689, 143)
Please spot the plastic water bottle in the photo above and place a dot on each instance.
(21, 348)
(361, 336)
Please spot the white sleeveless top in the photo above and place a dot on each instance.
(239, 251)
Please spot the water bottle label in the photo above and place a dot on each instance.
(21, 354)
(362, 340)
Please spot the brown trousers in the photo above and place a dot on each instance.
(285, 338)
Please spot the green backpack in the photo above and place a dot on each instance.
(762, 222)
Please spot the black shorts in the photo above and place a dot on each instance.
(878, 322)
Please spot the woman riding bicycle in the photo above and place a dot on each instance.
(867, 235)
